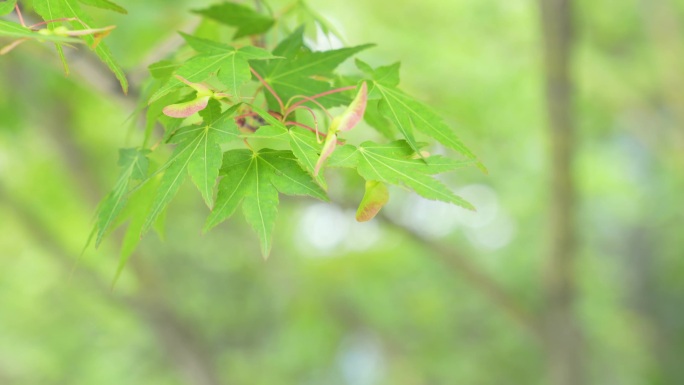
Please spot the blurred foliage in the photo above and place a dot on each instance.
(341, 302)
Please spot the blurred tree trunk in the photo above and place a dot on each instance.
(562, 334)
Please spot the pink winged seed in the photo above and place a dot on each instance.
(183, 110)
(354, 113)
(375, 197)
(328, 148)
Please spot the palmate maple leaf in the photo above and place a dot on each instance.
(254, 180)
(198, 154)
(396, 163)
(299, 71)
(229, 64)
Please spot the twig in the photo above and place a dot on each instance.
(480, 280)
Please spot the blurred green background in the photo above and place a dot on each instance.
(432, 295)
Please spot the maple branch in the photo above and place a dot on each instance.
(322, 94)
(57, 20)
(21, 18)
(187, 353)
(175, 336)
(302, 125)
(268, 87)
(309, 99)
(315, 119)
(46, 240)
(488, 286)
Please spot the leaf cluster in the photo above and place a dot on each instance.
(267, 119)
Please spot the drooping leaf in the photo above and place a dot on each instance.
(133, 163)
(137, 206)
(423, 119)
(254, 180)
(375, 197)
(245, 19)
(376, 120)
(397, 163)
(7, 7)
(229, 64)
(401, 120)
(57, 9)
(199, 154)
(105, 4)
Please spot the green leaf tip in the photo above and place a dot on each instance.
(105, 4)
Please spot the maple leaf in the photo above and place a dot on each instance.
(406, 113)
(299, 71)
(254, 180)
(7, 7)
(303, 143)
(246, 20)
(105, 4)
(396, 163)
(133, 163)
(229, 64)
(198, 154)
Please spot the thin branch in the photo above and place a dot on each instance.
(268, 87)
(307, 99)
(322, 94)
(478, 278)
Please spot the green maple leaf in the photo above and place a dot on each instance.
(136, 208)
(163, 69)
(198, 154)
(7, 7)
(133, 163)
(303, 143)
(396, 163)
(58, 9)
(254, 180)
(229, 64)
(406, 113)
(247, 20)
(105, 4)
(300, 69)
